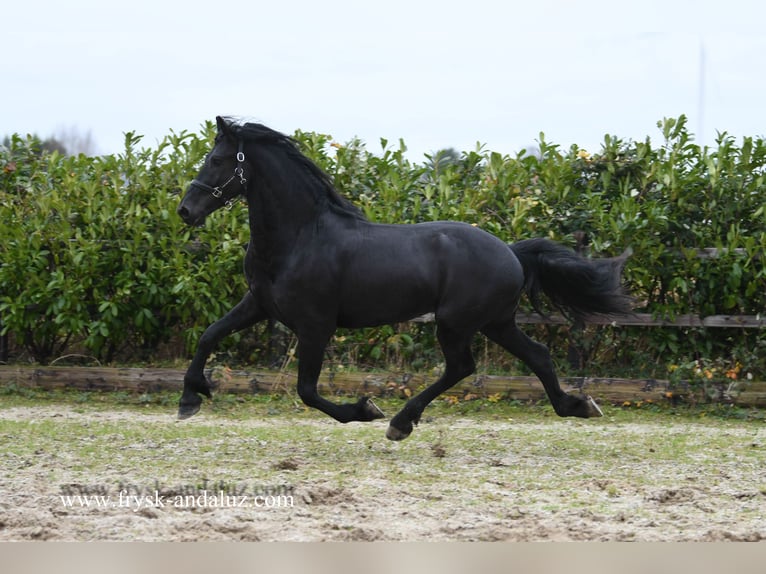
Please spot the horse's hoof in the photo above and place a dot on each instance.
(593, 408)
(394, 433)
(188, 410)
(371, 411)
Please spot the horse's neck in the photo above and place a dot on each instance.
(277, 221)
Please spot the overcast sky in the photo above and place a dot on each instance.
(435, 73)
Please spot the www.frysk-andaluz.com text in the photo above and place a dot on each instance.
(202, 495)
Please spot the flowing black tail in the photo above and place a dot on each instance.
(575, 285)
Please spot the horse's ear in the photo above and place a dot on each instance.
(223, 127)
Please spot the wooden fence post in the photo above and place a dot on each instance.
(3, 344)
(577, 355)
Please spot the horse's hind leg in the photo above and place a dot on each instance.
(537, 357)
(246, 313)
(459, 364)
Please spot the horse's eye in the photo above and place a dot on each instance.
(216, 161)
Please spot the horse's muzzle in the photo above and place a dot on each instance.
(188, 217)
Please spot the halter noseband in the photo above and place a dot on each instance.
(239, 172)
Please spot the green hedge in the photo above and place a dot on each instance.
(94, 259)
(94, 256)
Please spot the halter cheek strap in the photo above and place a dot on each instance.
(239, 172)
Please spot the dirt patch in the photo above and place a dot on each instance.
(71, 473)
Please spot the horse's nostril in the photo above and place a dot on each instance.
(188, 217)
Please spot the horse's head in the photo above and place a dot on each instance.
(222, 178)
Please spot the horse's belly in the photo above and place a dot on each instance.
(384, 302)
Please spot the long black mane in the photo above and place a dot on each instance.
(323, 185)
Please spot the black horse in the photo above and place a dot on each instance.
(315, 263)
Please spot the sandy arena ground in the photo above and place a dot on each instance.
(450, 481)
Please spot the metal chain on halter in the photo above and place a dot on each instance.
(239, 172)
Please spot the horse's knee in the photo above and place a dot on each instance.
(208, 339)
(468, 369)
(464, 368)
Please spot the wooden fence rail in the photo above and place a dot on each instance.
(641, 320)
(522, 388)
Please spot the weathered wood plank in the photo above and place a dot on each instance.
(93, 378)
(746, 321)
(713, 252)
(639, 320)
(648, 320)
(522, 388)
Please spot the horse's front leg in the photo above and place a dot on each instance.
(245, 314)
(310, 354)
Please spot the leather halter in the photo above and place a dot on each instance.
(217, 191)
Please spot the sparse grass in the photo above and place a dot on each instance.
(277, 428)
(247, 406)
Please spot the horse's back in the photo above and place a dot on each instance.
(446, 249)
